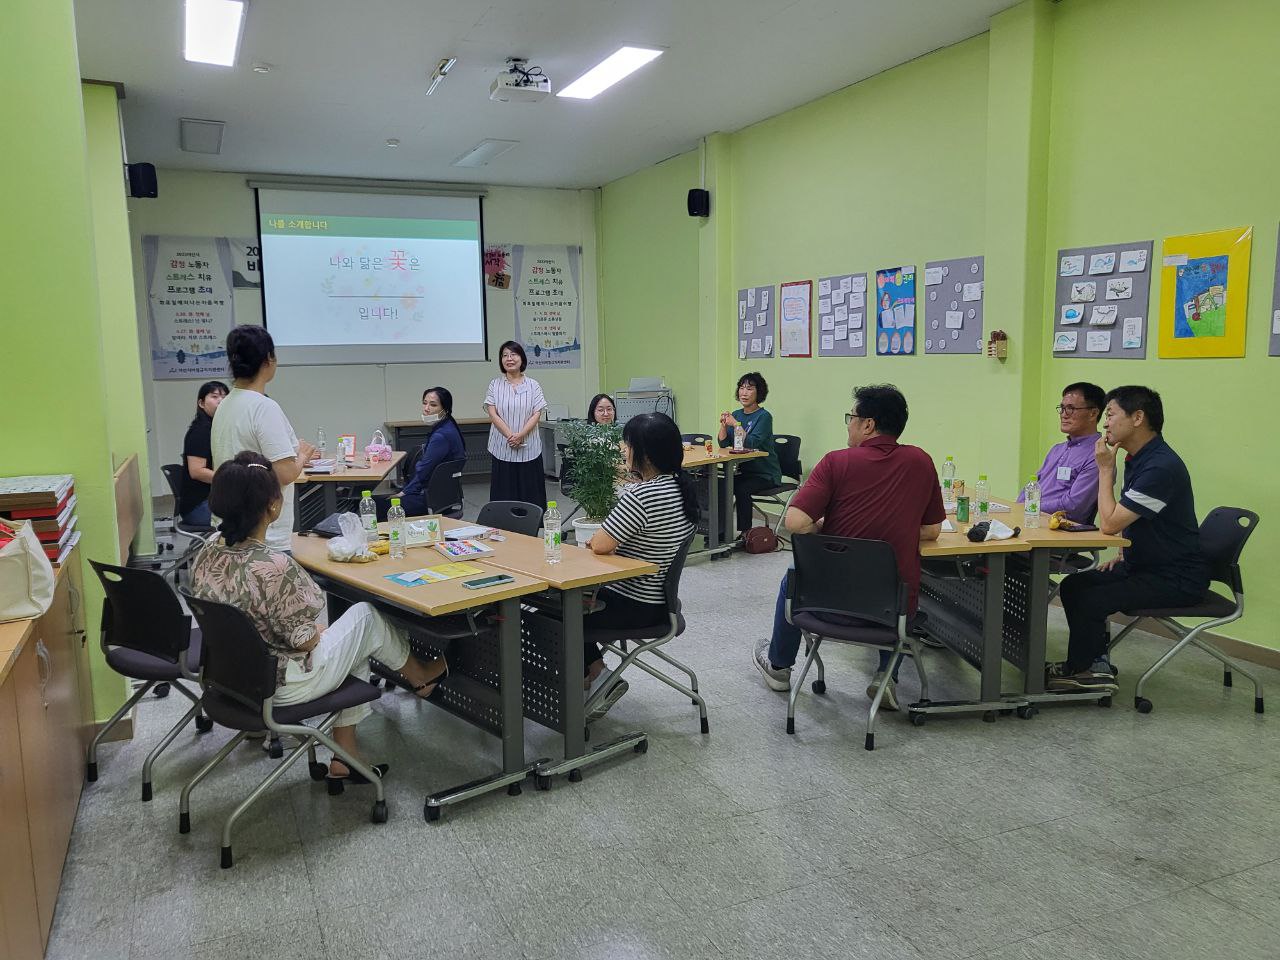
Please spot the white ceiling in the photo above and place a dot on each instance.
(348, 75)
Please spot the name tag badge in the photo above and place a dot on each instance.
(1064, 474)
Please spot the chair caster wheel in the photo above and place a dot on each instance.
(1105, 702)
(204, 724)
(870, 743)
(542, 782)
(431, 813)
(819, 687)
(91, 772)
(184, 823)
(1025, 712)
(1257, 705)
(334, 786)
(1226, 678)
(989, 717)
(161, 690)
(513, 790)
(643, 745)
(1142, 704)
(146, 793)
(318, 771)
(276, 750)
(918, 719)
(791, 724)
(706, 726)
(227, 860)
(575, 776)
(379, 814)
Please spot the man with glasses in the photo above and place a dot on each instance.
(874, 489)
(1162, 567)
(1069, 475)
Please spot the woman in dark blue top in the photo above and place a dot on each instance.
(444, 444)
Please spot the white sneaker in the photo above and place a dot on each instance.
(774, 679)
(890, 699)
(615, 693)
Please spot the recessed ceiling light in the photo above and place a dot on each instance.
(483, 152)
(392, 142)
(200, 136)
(213, 31)
(609, 71)
(260, 67)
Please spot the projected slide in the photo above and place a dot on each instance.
(351, 278)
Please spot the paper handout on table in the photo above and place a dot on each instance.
(436, 574)
(470, 532)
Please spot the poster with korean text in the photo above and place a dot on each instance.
(189, 305)
(547, 308)
(896, 311)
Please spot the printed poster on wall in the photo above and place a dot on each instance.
(189, 304)
(896, 311)
(246, 263)
(794, 334)
(547, 309)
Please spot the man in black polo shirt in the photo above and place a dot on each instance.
(1162, 566)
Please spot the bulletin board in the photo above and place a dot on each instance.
(842, 313)
(896, 311)
(1102, 301)
(1275, 306)
(757, 308)
(794, 333)
(954, 293)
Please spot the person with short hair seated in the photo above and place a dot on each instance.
(1068, 477)
(874, 489)
(284, 603)
(444, 444)
(1163, 565)
(651, 521)
(757, 423)
(197, 456)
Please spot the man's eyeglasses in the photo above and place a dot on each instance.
(850, 417)
(1065, 409)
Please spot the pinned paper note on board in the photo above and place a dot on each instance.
(1097, 341)
(824, 304)
(1065, 341)
(1103, 316)
(755, 345)
(955, 319)
(751, 297)
(857, 299)
(828, 341)
(972, 292)
(855, 320)
(855, 340)
(1132, 333)
(1071, 266)
(842, 314)
(742, 310)
(1084, 292)
(768, 345)
(1120, 288)
(824, 288)
(742, 349)
(858, 284)
(932, 276)
(1102, 262)
(842, 331)
(1072, 313)
(1133, 261)
(838, 297)
(828, 322)
(746, 326)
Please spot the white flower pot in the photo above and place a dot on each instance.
(583, 530)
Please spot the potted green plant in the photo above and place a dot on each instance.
(593, 454)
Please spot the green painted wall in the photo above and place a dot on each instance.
(1173, 75)
(53, 407)
(126, 409)
(648, 249)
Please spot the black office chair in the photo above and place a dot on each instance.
(648, 640)
(1223, 535)
(146, 637)
(239, 681)
(857, 581)
(511, 515)
(194, 533)
(444, 489)
(408, 466)
(788, 447)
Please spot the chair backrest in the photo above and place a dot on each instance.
(410, 463)
(697, 439)
(173, 474)
(855, 578)
(141, 612)
(237, 661)
(444, 489)
(1223, 535)
(512, 515)
(788, 447)
(671, 586)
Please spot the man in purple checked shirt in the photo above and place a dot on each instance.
(1069, 475)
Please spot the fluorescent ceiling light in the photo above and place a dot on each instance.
(213, 31)
(608, 72)
(483, 152)
(441, 71)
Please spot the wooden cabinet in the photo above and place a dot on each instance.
(19, 923)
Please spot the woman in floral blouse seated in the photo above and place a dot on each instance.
(285, 604)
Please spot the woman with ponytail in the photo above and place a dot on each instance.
(285, 605)
(652, 520)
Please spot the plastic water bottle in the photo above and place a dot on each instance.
(948, 478)
(983, 496)
(322, 444)
(395, 520)
(739, 439)
(551, 533)
(1031, 501)
(368, 516)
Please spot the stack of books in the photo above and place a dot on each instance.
(49, 505)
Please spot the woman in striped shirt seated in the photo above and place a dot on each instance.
(652, 520)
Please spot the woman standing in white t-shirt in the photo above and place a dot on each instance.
(247, 419)
(514, 404)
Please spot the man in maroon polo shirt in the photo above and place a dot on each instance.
(875, 489)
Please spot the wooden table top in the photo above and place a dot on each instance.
(373, 473)
(432, 599)
(957, 544)
(1042, 536)
(698, 456)
(578, 567)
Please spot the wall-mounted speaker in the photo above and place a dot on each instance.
(142, 180)
(699, 203)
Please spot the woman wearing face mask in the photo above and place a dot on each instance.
(197, 456)
(444, 444)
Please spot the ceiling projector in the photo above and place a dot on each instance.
(520, 84)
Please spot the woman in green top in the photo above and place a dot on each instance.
(757, 474)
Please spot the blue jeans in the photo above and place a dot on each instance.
(784, 645)
(198, 516)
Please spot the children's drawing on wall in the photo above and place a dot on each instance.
(1204, 289)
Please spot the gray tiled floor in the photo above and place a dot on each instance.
(1083, 833)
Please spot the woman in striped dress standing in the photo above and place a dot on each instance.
(514, 404)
